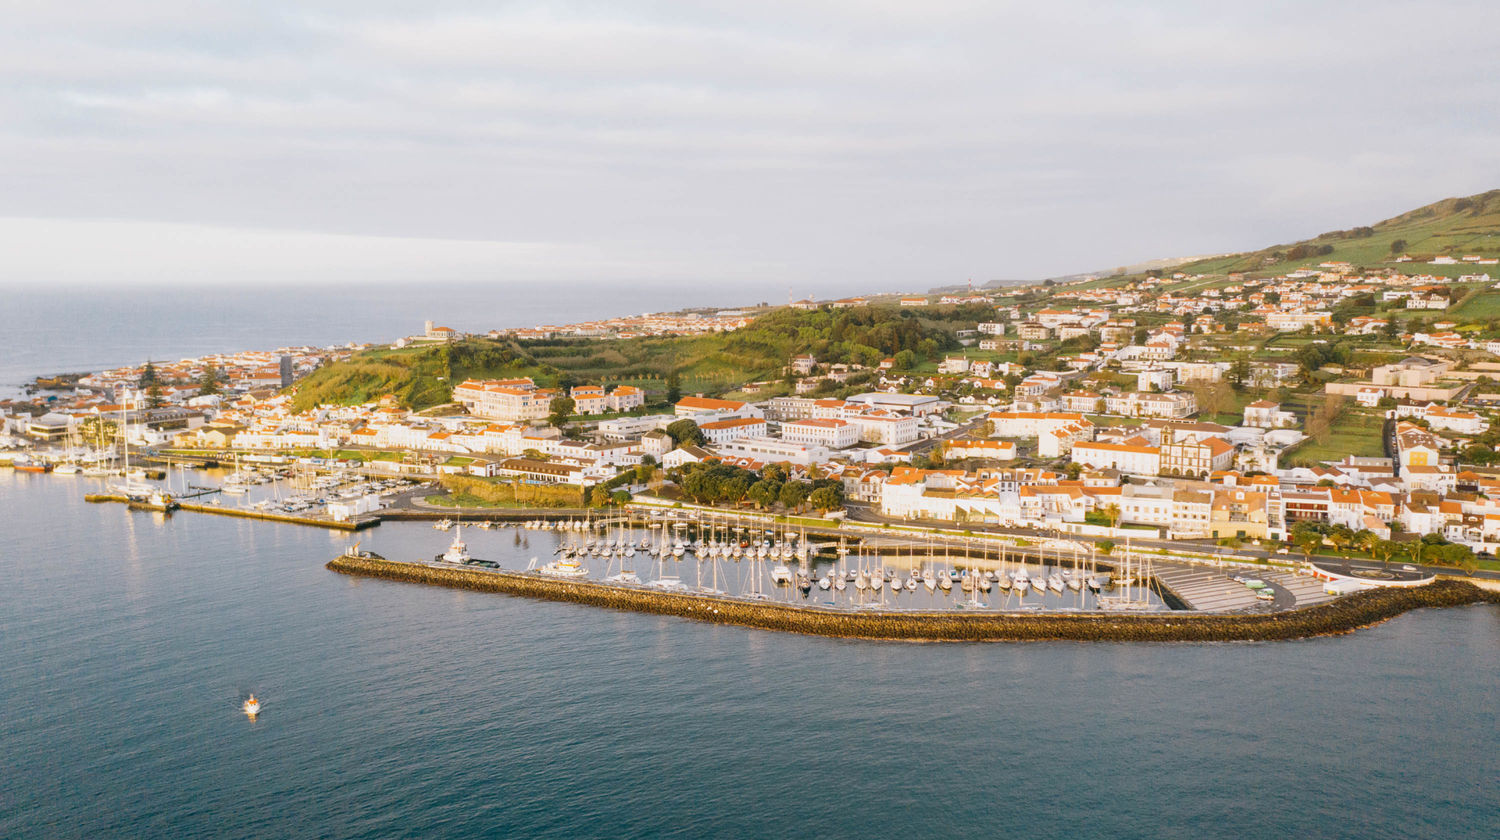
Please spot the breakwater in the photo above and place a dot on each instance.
(358, 524)
(1342, 616)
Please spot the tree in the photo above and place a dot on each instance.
(1106, 547)
(686, 431)
(794, 493)
(829, 497)
(208, 383)
(1112, 512)
(764, 493)
(1142, 335)
(734, 490)
(154, 397)
(1308, 542)
(1341, 536)
(905, 360)
(674, 387)
(1398, 245)
(1238, 373)
(561, 408)
(148, 375)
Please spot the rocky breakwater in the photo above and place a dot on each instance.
(1342, 616)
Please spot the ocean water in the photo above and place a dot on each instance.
(74, 329)
(128, 640)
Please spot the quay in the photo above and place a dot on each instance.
(1344, 615)
(358, 523)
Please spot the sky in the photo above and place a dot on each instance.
(820, 143)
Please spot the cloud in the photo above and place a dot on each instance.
(908, 143)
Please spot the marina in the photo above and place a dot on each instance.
(722, 557)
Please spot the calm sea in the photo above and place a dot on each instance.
(77, 329)
(128, 640)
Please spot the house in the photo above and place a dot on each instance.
(1265, 414)
(828, 433)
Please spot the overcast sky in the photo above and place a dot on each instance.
(906, 144)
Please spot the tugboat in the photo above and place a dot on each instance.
(457, 551)
(252, 706)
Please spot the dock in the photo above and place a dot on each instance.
(358, 523)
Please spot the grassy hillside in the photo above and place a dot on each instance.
(423, 376)
(1453, 227)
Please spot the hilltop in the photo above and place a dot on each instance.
(1453, 227)
(423, 376)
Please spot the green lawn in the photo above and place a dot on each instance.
(1356, 433)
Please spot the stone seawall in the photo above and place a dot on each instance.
(1342, 616)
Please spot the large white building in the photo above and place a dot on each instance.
(511, 400)
(832, 434)
(918, 405)
(723, 431)
(1125, 457)
(774, 451)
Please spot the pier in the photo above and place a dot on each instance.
(358, 523)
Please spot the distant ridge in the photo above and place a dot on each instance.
(1452, 227)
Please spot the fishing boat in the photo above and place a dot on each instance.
(251, 706)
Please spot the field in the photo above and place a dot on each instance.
(1481, 306)
(1358, 432)
(1454, 226)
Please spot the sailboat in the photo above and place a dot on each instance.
(135, 486)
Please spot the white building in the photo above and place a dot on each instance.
(774, 451)
(831, 434)
(1125, 457)
(723, 431)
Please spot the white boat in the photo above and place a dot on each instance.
(781, 574)
(1055, 582)
(567, 567)
(252, 706)
(66, 469)
(442, 524)
(911, 584)
(1021, 581)
(457, 551)
(946, 583)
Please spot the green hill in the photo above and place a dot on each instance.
(1453, 227)
(423, 376)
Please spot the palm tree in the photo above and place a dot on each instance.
(1112, 511)
(1365, 541)
(1340, 536)
(1308, 542)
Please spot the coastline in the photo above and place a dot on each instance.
(1339, 617)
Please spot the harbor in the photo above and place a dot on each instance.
(1343, 616)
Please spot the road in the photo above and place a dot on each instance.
(861, 512)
